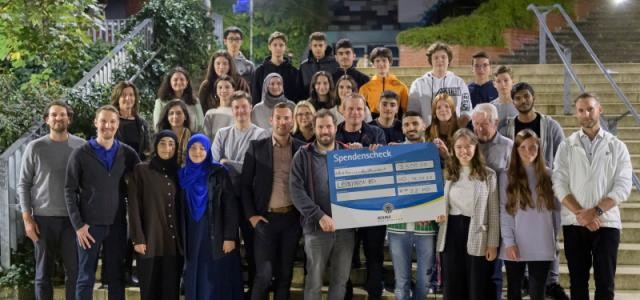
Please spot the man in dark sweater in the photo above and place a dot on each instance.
(345, 57)
(95, 194)
(320, 58)
(481, 88)
(277, 63)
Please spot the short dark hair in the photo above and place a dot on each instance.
(317, 36)
(411, 113)
(240, 94)
(58, 102)
(480, 54)
(282, 105)
(232, 29)
(344, 43)
(586, 95)
(388, 94)
(381, 52)
(437, 46)
(502, 70)
(277, 35)
(323, 113)
(521, 86)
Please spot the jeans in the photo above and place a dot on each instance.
(275, 245)
(538, 272)
(401, 246)
(321, 248)
(114, 239)
(56, 237)
(583, 249)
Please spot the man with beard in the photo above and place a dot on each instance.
(591, 176)
(95, 192)
(268, 207)
(544, 126)
(309, 191)
(41, 196)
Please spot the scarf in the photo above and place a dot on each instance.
(193, 178)
(270, 100)
(167, 166)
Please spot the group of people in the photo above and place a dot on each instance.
(244, 163)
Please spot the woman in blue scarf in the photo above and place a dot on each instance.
(212, 260)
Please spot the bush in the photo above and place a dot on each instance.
(483, 27)
(21, 273)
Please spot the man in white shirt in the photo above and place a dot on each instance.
(591, 176)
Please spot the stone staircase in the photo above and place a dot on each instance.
(547, 81)
(612, 30)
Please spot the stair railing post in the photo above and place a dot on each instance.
(567, 83)
(542, 39)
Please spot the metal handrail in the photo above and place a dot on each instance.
(610, 124)
(11, 227)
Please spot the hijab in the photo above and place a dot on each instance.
(193, 178)
(168, 166)
(271, 100)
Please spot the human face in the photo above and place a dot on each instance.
(241, 109)
(325, 131)
(127, 101)
(523, 101)
(440, 60)
(382, 65)
(318, 48)
(233, 42)
(344, 89)
(197, 153)
(322, 85)
(178, 82)
(57, 119)
(176, 116)
(282, 121)
(443, 111)
(345, 57)
(304, 117)
(275, 86)
(503, 83)
(354, 111)
(388, 108)
(588, 112)
(464, 150)
(528, 151)
(224, 90)
(277, 48)
(481, 67)
(166, 148)
(413, 128)
(221, 66)
(483, 127)
(106, 123)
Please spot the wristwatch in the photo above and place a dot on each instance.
(598, 210)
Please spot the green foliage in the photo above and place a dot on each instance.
(21, 273)
(483, 27)
(295, 18)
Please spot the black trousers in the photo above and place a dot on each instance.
(372, 239)
(275, 247)
(538, 271)
(464, 276)
(584, 249)
(57, 237)
(160, 277)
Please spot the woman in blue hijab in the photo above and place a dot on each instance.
(212, 260)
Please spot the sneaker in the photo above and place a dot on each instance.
(555, 291)
(525, 287)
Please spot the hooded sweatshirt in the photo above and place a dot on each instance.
(262, 111)
(424, 89)
(289, 78)
(311, 65)
(374, 88)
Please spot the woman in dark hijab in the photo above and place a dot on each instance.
(153, 226)
(210, 213)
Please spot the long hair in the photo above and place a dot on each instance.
(117, 92)
(518, 192)
(166, 92)
(212, 100)
(478, 170)
(433, 131)
(164, 119)
(315, 98)
(303, 103)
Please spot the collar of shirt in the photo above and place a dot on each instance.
(583, 135)
(276, 144)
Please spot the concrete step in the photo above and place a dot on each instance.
(570, 120)
(610, 109)
(624, 133)
(529, 69)
(630, 212)
(585, 78)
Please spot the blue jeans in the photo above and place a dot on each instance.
(321, 248)
(401, 246)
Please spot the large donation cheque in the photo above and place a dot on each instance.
(393, 184)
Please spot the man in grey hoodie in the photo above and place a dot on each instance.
(309, 192)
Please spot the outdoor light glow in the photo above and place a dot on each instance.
(616, 2)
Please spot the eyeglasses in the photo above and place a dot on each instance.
(482, 66)
(234, 39)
